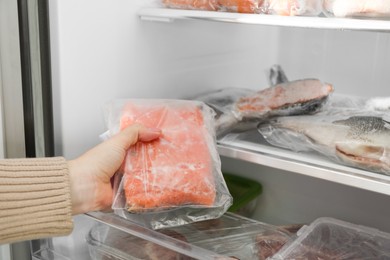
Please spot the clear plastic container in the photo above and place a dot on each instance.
(328, 238)
(229, 237)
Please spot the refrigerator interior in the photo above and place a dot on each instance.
(102, 50)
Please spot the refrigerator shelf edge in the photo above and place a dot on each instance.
(313, 165)
(169, 15)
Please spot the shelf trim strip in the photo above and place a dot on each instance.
(342, 174)
(168, 15)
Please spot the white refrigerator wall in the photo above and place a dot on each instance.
(101, 50)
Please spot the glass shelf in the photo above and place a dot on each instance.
(251, 147)
(169, 15)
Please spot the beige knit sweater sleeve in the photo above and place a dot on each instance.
(34, 199)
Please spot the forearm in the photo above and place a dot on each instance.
(34, 199)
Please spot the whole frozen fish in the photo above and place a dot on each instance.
(361, 141)
(304, 96)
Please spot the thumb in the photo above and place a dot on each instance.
(134, 133)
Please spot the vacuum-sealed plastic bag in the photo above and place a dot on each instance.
(176, 179)
(355, 138)
(357, 8)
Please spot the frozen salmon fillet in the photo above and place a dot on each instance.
(176, 169)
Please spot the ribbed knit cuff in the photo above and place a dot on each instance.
(34, 199)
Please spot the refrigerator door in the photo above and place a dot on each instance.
(25, 105)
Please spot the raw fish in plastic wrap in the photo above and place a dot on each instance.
(357, 8)
(349, 135)
(239, 109)
(173, 180)
(207, 5)
(292, 7)
(240, 6)
(304, 96)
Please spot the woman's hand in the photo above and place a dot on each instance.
(90, 174)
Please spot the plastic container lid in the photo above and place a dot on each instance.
(229, 237)
(328, 238)
(243, 191)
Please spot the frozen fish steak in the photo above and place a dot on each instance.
(304, 96)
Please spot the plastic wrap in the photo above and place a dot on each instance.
(222, 102)
(354, 137)
(329, 238)
(207, 5)
(240, 6)
(276, 7)
(292, 7)
(304, 96)
(357, 8)
(176, 179)
(231, 235)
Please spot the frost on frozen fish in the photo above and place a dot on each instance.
(361, 141)
(291, 98)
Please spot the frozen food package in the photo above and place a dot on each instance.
(177, 178)
(354, 138)
(228, 237)
(222, 102)
(358, 9)
(305, 96)
(206, 5)
(292, 7)
(240, 6)
(329, 238)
